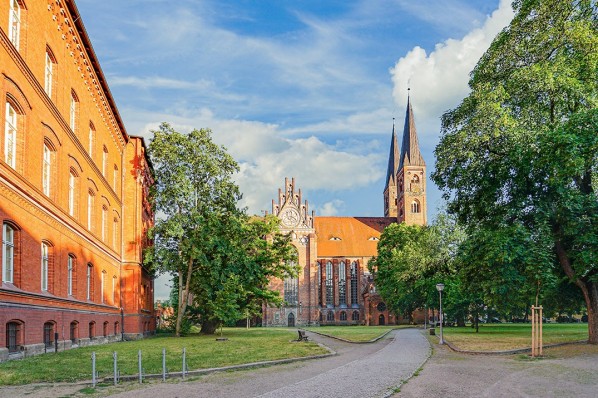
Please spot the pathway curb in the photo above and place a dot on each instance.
(354, 342)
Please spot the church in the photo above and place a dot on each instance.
(334, 285)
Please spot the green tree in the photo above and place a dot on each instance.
(200, 234)
(521, 149)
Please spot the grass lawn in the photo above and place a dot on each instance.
(243, 346)
(354, 333)
(498, 337)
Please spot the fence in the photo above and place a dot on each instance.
(112, 368)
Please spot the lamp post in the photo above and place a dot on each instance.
(440, 288)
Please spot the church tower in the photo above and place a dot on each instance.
(390, 189)
(411, 176)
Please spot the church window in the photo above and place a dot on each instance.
(354, 282)
(319, 284)
(290, 291)
(342, 284)
(330, 316)
(355, 316)
(343, 316)
(329, 285)
(415, 208)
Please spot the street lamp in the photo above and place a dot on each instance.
(440, 288)
(300, 304)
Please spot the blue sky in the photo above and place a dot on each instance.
(304, 89)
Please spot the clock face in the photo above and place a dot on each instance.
(290, 218)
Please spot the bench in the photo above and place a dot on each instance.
(302, 335)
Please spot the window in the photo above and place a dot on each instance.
(74, 331)
(104, 160)
(14, 23)
(73, 111)
(415, 206)
(89, 281)
(102, 285)
(343, 316)
(342, 284)
(290, 291)
(49, 334)
(14, 337)
(114, 290)
(46, 169)
(354, 283)
(355, 316)
(72, 192)
(92, 139)
(115, 178)
(104, 223)
(45, 265)
(330, 316)
(8, 253)
(90, 205)
(10, 136)
(115, 233)
(116, 328)
(329, 286)
(70, 274)
(105, 329)
(49, 72)
(92, 329)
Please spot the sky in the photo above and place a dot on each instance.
(295, 88)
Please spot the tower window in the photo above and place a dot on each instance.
(415, 207)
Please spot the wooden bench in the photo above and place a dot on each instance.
(302, 335)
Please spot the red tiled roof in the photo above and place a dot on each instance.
(349, 236)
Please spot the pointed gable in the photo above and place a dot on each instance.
(410, 153)
(393, 159)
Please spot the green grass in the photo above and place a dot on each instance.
(498, 337)
(353, 333)
(243, 346)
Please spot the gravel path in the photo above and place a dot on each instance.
(449, 374)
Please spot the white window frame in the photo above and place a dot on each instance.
(45, 264)
(8, 253)
(114, 290)
(14, 23)
(49, 76)
(92, 137)
(72, 187)
(46, 169)
(90, 205)
(115, 178)
(104, 161)
(104, 223)
(89, 270)
(115, 233)
(102, 284)
(73, 113)
(69, 280)
(10, 136)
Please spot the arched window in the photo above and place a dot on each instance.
(415, 184)
(114, 281)
(342, 284)
(415, 206)
(10, 135)
(92, 139)
(355, 316)
(73, 111)
(47, 167)
(92, 329)
(73, 187)
(343, 316)
(70, 276)
(45, 265)
(49, 334)
(74, 331)
(104, 160)
(104, 223)
(14, 23)
(115, 228)
(116, 328)
(14, 335)
(354, 298)
(105, 329)
(8, 253)
(90, 281)
(115, 178)
(90, 206)
(329, 285)
(330, 316)
(102, 286)
(49, 71)
(290, 290)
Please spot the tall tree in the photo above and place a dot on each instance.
(521, 149)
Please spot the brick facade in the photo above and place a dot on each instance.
(73, 188)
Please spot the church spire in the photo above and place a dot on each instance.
(390, 189)
(410, 153)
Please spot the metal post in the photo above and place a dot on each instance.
(541, 320)
(425, 317)
(184, 362)
(441, 319)
(55, 342)
(140, 369)
(93, 369)
(115, 359)
(163, 364)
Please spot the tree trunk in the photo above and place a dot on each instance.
(209, 327)
(183, 297)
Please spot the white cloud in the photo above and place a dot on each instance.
(330, 208)
(439, 80)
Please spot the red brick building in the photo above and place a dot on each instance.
(73, 189)
(334, 286)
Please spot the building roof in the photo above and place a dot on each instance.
(349, 236)
(410, 153)
(393, 159)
